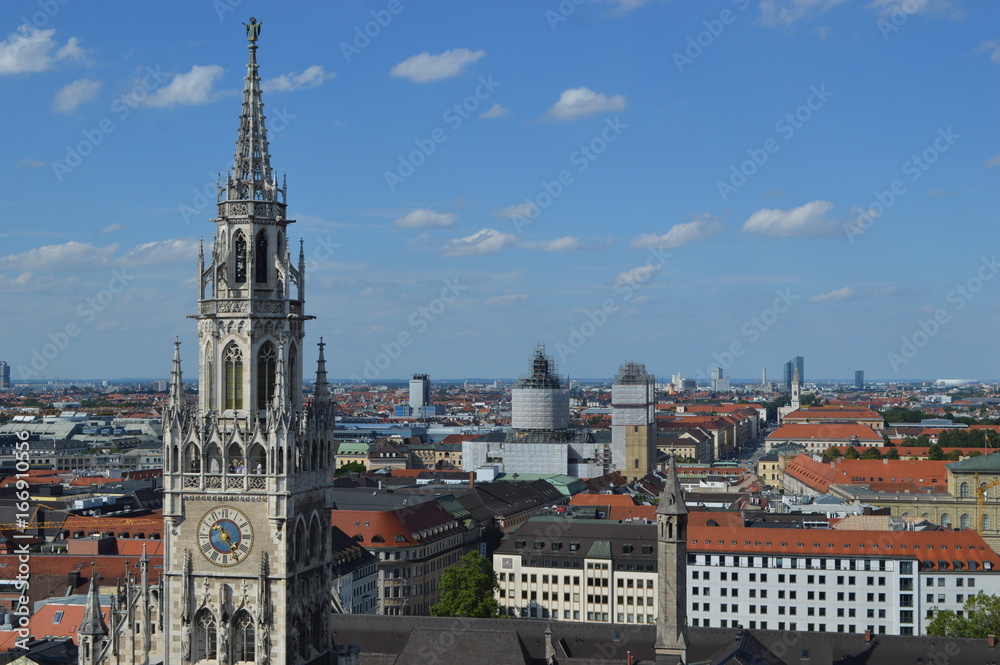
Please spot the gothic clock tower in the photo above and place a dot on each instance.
(247, 473)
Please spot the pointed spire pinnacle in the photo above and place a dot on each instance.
(93, 617)
(252, 178)
(322, 387)
(672, 496)
(280, 393)
(177, 399)
(144, 559)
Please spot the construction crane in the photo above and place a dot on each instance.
(981, 490)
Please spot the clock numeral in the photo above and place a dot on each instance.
(244, 549)
(215, 556)
(205, 547)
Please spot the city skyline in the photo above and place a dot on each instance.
(680, 186)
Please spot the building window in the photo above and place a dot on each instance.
(964, 521)
(963, 491)
(243, 642)
(260, 257)
(233, 358)
(267, 362)
(945, 520)
(205, 638)
(240, 257)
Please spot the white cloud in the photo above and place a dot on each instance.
(908, 7)
(564, 244)
(31, 163)
(835, 296)
(580, 102)
(992, 161)
(182, 251)
(679, 234)
(70, 96)
(311, 77)
(69, 257)
(426, 67)
(425, 218)
(638, 275)
(29, 50)
(786, 12)
(993, 48)
(111, 228)
(885, 291)
(494, 111)
(806, 220)
(508, 300)
(373, 291)
(517, 211)
(195, 87)
(482, 242)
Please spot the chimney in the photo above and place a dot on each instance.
(868, 636)
(472, 480)
(991, 641)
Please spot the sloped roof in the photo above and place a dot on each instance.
(979, 464)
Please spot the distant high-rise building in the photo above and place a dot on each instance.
(796, 363)
(859, 379)
(719, 384)
(796, 389)
(540, 401)
(4, 375)
(420, 391)
(633, 421)
(716, 373)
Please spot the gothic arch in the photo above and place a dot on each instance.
(316, 541)
(213, 458)
(257, 456)
(299, 548)
(267, 363)
(234, 456)
(192, 458)
(239, 258)
(260, 261)
(232, 357)
(244, 643)
(206, 636)
(292, 372)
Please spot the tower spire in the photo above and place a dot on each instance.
(176, 382)
(252, 178)
(280, 392)
(322, 387)
(671, 525)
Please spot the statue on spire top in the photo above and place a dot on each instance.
(253, 29)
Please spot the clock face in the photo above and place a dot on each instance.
(225, 536)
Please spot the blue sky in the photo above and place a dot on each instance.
(683, 184)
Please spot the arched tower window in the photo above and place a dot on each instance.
(260, 257)
(233, 358)
(963, 491)
(292, 372)
(963, 521)
(267, 363)
(243, 638)
(206, 637)
(240, 254)
(986, 522)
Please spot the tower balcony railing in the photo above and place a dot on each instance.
(257, 307)
(246, 482)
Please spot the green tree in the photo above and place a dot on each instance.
(467, 589)
(832, 453)
(350, 467)
(980, 617)
(852, 453)
(934, 452)
(892, 454)
(953, 455)
(871, 453)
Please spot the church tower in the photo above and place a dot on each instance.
(247, 473)
(671, 533)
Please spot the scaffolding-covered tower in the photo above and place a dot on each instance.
(633, 421)
(540, 401)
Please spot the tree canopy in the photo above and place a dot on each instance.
(852, 453)
(980, 617)
(467, 589)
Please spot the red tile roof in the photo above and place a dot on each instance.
(936, 550)
(880, 475)
(824, 432)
